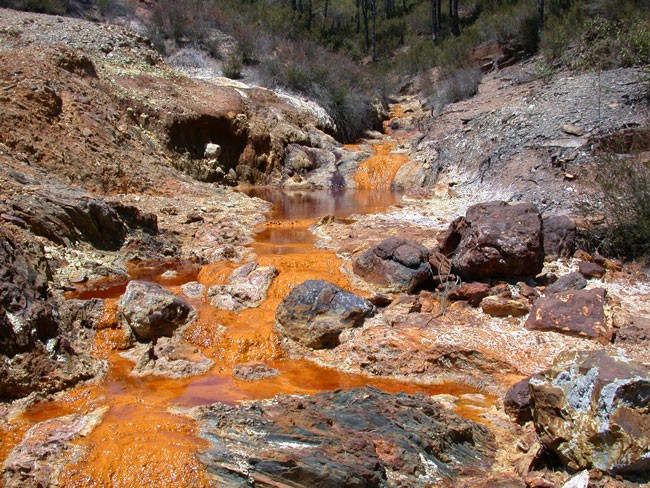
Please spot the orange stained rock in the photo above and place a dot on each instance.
(379, 170)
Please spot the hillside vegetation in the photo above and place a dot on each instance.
(347, 54)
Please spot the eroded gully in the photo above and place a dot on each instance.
(139, 439)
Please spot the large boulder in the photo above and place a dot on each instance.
(496, 239)
(575, 312)
(247, 287)
(151, 312)
(316, 312)
(396, 264)
(559, 236)
(356, 438)
(591, 409)
(36, 353)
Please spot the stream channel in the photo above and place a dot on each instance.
(141, 439)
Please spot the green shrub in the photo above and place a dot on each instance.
(455, 86)
(232, 68)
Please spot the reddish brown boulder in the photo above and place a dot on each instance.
(576, 312)
(590, 270)
(559, 236)
(396, 264)
(591, 409)
(471, 292)
(496, 239)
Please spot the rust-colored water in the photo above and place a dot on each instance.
(139, 441)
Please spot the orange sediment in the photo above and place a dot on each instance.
(379, 170)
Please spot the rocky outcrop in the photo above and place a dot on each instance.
(35, 352)
(357, 438)
(496, 239)
(576, 312)
(247, 287)
(559, 236)
(316, 312)
(150, 311)
(591, 409)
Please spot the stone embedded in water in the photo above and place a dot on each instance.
(316, 312)
(357, 438)
(247, 287)
(150, 311)
(396, 264)
(591, 409)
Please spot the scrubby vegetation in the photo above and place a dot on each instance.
(623, 172)
(345, 53)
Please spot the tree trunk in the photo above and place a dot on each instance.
(374, 29)
(540, 17)
(455, 24)
(365, 5)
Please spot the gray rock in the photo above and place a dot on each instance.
(212, 151)
(571, 281)
(193, 289)
(253, 371)
(171, 358)
(316, 312)
(396, 265)
(247, 287)
(151, 312)
(591, 409)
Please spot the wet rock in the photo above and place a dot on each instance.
(576, 312)
(591, 409)
(571, 281)
(517, 402)
(396, 264)
(46, 447)
(496, 239)
(247, 287)
(590, 270)
(316, 312)
(171, 358)
(193, 289)
(471, 292)
(151, 312)
(35, 351)
(503, 307)
(559, 236)
(357, 438)
(254, 371)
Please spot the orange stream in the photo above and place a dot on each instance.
(139, 440)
